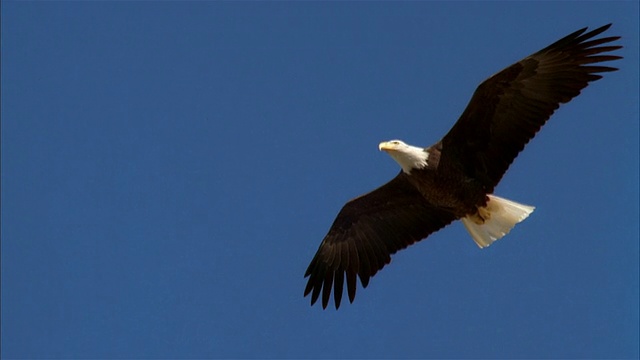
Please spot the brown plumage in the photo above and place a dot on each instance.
(459, 172)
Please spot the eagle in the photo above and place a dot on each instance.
(454, 178)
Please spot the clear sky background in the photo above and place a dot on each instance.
(170, 168)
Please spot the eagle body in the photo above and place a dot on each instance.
(448, 187)
(454, 179)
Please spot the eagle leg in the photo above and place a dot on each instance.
(483, 214)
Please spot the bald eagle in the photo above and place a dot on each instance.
(454, 178)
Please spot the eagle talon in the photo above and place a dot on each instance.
(481, 216)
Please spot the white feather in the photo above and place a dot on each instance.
(407, 156)
(503, 215)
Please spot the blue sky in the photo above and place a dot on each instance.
(170, 168)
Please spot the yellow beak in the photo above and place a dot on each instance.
(386, 146)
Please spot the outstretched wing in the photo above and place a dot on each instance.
(365, 233)
(509, 108)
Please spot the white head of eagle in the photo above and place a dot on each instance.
(409, 157)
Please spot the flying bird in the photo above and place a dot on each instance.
(454, 178)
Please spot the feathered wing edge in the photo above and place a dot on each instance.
(509, 108)
(364, 235)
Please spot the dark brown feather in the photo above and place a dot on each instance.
(370, 229)
(509, 108)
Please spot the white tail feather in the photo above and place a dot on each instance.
(503, 215)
